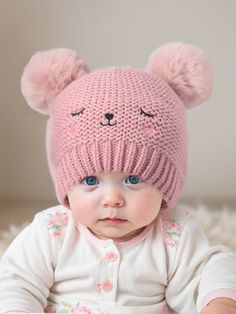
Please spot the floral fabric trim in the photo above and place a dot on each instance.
(56, 223)
(65, 307)
(172, 230)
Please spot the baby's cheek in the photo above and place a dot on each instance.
(80, 215)
(145, 214)
(147, 207)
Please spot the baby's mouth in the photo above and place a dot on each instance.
(113, 220)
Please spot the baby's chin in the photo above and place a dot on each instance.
(116, 234)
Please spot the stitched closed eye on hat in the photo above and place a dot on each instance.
(118, 118)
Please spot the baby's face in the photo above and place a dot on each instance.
(114, 205)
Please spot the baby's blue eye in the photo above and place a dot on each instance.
(91, 180)
(133, 179)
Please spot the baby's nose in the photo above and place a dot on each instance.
(113, 201)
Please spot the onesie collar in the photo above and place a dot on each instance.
(104, 243)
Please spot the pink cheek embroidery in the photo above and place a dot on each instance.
(72, 130)
(147, 131)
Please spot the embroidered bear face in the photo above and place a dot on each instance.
(81, 116)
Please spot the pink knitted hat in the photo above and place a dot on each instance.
(118, 118)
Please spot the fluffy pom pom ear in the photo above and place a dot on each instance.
(47, 74)
(186, 69)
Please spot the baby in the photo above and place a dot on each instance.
(116, 147)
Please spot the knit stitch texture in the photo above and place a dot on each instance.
(118, 119)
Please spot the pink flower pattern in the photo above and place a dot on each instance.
(164, 310)
(172, 231)
(65, 307)
(56, 223)
(77, 309)
(50, 309)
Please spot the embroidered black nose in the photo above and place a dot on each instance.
(109, 116)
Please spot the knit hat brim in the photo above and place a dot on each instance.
(114, 156)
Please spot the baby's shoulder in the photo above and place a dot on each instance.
(174, 221)
(56, 219)
(176, 214)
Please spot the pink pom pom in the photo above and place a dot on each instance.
(186, 69)
(47, 74)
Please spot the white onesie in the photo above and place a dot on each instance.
(56, 266)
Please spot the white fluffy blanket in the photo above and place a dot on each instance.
(219, 225)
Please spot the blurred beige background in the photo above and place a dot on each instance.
(106, 33)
